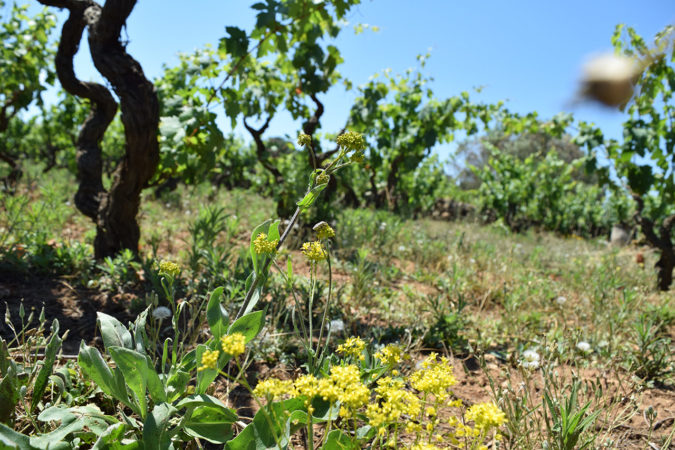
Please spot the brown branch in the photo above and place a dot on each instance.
(322, 157)
(4, 116)
(646, 225)
(312, 124)
(261, 148)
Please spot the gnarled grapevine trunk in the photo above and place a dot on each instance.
(113, 211)
(663, 241)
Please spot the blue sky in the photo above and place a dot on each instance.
(526, 52)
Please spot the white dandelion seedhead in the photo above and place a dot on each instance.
(584, 347)
(336, 326)
(161, 313)
(530, 359)
(560, 301)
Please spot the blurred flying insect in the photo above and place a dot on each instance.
(610, 79)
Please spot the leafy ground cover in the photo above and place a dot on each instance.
(564, 335)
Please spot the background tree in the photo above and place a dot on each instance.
(403, 122)
(113, 210)
(646, 157)
(25, 60)
(476, 153)
(284, 62)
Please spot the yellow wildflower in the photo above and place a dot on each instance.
(323, 231)
(435, 377)
(169, 268)
(209, 360)
(353, 347)
(322, 177)
(486, 416)
(393, 402)
(262, 245)
(314, 251)
(351, 141)
(304, 140)
(390, 355)
(352, 394)
(274, 389)
(233, 344)
(307, 386)
(424, 446)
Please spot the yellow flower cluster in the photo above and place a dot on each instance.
(353, 347)
(390, 354)
(307, 386)
(392, 406)
(486, 416)
(322, 177)
(424, 446)
(434, 378)
(314, 251)
(351, 141)
(233, 344)
(351, 393)
(393, 402)
(209, 360)
(273, 389)
(262, 245)
(169, 268)
(323, 231)
(304, 139)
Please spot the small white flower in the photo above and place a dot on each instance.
(530, 359)
(383, 226)
(401, 248)
(336, 326)
(561, 300)
(161, 313)
(584, 346)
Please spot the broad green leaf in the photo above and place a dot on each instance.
(139, 373)
(248, 325)
(273, 233)
(156, 435)
(338, 440)
(138, 329)
(94, 367)
(211, 422)
(4, 357)
(111, 438)
(113, 332)
(176, 384)
(48, 363)
(208, 401)
(10, 439)
(259, 436)
(215, 315)
(55, 439)
(9, 392)
(311, 196)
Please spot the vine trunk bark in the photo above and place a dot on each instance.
(113, 211)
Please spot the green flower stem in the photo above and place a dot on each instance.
(266, 266)
(310, 432)
(287, 231)
(321, 353)
(242, 380)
